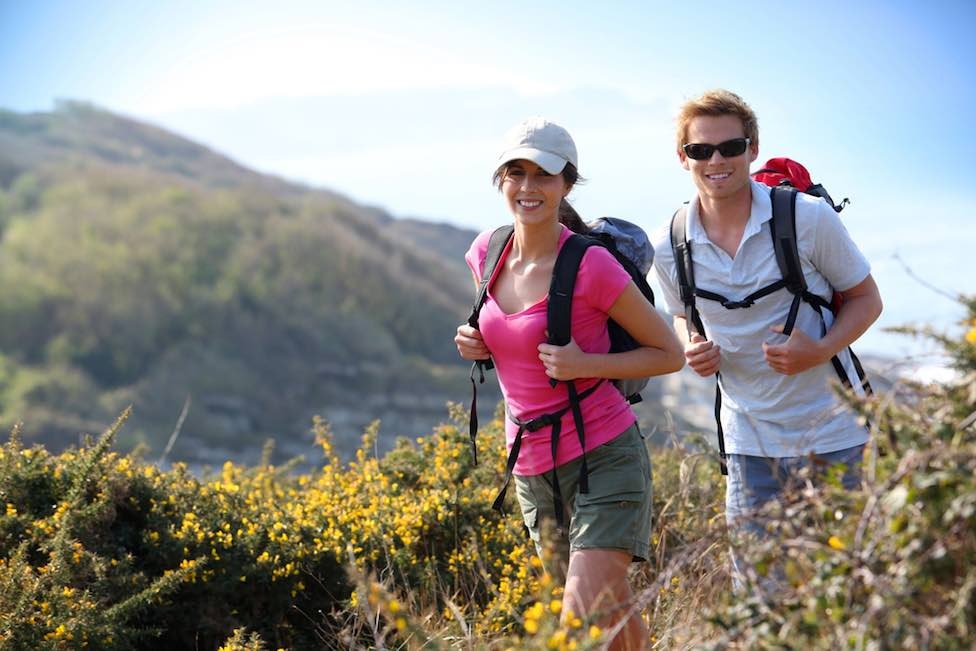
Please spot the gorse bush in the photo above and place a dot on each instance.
(106, 551)
(109, 551)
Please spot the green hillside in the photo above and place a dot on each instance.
(141, 268)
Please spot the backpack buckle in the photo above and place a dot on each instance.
(734, 305)
(544, 420)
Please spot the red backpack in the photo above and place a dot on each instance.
(784, 171)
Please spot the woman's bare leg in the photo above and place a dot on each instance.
(596, 582)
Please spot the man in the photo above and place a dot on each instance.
(779, 412)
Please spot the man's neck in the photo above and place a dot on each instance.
(727, 212)
(724, 220)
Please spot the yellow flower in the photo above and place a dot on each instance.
(555, 606)
(531, 626)
(971, 335)
(557, 640)
(595, 632)
(836, 543)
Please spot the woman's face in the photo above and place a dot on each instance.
(533, 194)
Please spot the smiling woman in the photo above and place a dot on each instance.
(595, 487)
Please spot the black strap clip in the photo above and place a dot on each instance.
(545, 420)
(735, 305)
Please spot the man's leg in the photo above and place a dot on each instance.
(751, 483)
(852, 458)
(754, 481)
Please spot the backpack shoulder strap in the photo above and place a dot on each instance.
(562, 285)
(496, 244)
(558, 322)
(782, 228)
(684, 266)
(681, 249)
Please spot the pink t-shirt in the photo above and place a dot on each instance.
(513, 340)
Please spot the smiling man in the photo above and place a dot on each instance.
(778, 410)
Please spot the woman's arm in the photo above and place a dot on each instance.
(660, 351)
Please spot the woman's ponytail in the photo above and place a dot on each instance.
(567, 214)
(570, 218)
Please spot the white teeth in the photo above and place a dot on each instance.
(718, 177)
(529, 204)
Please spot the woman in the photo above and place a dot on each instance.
(608, 525)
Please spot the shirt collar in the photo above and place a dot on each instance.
(760, 213)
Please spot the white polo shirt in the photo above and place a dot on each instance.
(765, 413)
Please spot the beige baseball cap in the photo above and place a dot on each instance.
(544, 143)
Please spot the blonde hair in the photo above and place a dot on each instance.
(714, 103)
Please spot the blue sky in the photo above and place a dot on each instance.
(400, 104)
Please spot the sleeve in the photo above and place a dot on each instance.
(601, 279)
(835, 255)
(475, 256)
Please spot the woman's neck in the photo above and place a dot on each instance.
(536, 241)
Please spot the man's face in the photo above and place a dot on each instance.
(718, 177)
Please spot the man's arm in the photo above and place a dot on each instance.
(861, 307)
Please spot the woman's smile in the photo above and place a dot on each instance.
(530, 191)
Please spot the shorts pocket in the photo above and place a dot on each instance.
(527, 504)
(618, 473)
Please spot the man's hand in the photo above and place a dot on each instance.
(469, 343)
(797, 354)
(703, 356)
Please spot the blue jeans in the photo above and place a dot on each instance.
(754, 481)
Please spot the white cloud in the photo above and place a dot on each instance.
(318, 61)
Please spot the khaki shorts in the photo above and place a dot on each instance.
(614, 514)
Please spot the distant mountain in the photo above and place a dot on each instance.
(449, 241)
(140, 267)
(78, 132)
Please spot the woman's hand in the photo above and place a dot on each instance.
(563, 362)
(469, 343)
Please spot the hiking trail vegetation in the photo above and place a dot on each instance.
(402, 551)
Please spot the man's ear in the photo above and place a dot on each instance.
(683, 158)
(753, 151)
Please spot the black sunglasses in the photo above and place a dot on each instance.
(728, 149)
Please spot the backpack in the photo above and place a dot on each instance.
(786, 172)
(630, 246)
(787, 178)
